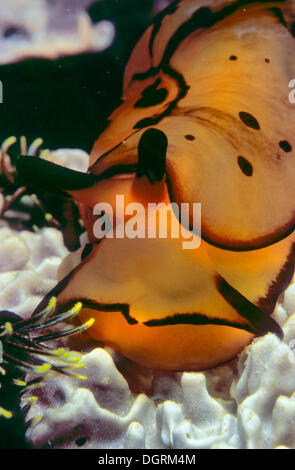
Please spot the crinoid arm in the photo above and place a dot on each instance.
(24, 350)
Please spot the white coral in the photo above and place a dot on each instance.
(263, 392)
(30, 261)
(100, 410)
(35, 32)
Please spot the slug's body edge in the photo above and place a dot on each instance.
(226, 147)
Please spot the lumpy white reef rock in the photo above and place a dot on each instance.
(249, 403)
(179, 413)
(28, 267)
(49, 29)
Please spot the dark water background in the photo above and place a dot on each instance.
(65, 101)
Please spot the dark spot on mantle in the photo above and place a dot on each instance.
(285, 145)
(249, 120)
(80, 441)
(245, 166)
(152, 95)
